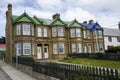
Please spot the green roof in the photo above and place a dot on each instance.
(40, 21)
(2, 49)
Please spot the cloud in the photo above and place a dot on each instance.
(106, 12)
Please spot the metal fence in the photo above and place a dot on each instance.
(96, 56)
(75, 72)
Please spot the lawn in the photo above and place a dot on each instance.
(95, 62)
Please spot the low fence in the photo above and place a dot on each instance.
(96, 56)
(75, 72)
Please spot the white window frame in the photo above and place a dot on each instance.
(85, 48)
(88, 34)
(26, 47)
(26, 29)
(32, 49)
(55, 51)
(18, 49)
(61, 48)
(60, 31)
(100, 34)
(79, 48)
(18, 29)
(73, 47)
(72, 32)
(89, 48)
(78, 32)
(101, 46)
(39, 32)
(45, 32)
(54, 32)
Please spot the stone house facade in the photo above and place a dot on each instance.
(50, 38)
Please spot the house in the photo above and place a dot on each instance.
(111, 37)
(50, 38)
(2, 50)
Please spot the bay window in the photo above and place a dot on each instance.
(84, 34)
(26, 29)
(85, 48)
(88, 34)
(18, 29)
(39, 32)
(99, 33)
(26, 48)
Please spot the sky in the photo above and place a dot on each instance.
(105, 12)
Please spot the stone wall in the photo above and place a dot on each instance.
(28, 70)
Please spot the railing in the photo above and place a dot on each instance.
(75, 72)
(96, 56)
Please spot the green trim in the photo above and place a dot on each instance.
(74, 23)
(57, 22)
(24, 18)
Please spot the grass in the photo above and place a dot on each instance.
(95, 62)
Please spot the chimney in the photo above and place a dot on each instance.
(56, 16)
(91, 21)
(85, 22)
(10, 10)
(119, 25)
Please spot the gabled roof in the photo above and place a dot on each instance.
(23, 18)
(111, 32)
(58, 22)
(74, 23)
(93, 26)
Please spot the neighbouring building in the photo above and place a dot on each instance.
(2, 51)
(111, 37)
(50, 38)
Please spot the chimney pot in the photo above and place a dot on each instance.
(9, 5)
(85, 22)
(56, 16)
(91, 21)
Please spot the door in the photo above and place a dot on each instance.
(46, 52)
(39, 53)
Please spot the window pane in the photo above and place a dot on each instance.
(45, 32)
(85, 48)
(72, 31)
(84, 32)
(53, 31)
(79, 48)
(61, 48)
(18, 48)
(26, 48)
(88, 34)
(55, 48)
(32, 31)
(26, 29)
(78, 33)
(18, 30)
(100, 34)
(39, 32)
(33, 49)
(60, 31)
(73, 48)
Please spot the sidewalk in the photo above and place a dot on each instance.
(14, 73)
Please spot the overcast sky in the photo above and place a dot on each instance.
(105, 12)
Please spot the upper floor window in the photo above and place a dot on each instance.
(88, 34)
(26, 48)
(110, 39)
(32, 31)
(26, 29)
(84, 34)
(118, 38)
(18, 29)
(78, 33)
(18, 48)
(99, 33)
(60, 31)
(39, 32)
(72, 31)
(54, 33)
(94, 34)
(45, 32)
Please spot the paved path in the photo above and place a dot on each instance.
(14, 73)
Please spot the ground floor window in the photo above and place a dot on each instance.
(73, 47)
(26, 48)
(18, 49)
(58, 48)
(61, 48)
(79, 48)
(55, 48)
(85, 48)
